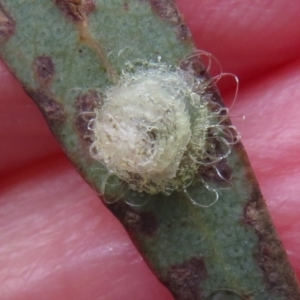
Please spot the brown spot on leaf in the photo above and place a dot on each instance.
(52, 110)
(148, 224)
(85, 105)
(143, 223)
(270, 254)
(220, 174)
(77, 10)
(194, 64)
(44, 69)
(87, 102)
(126, 6)
(7, 24)
(224, 170)
(167, 10)
(184, 31)
(184, 280)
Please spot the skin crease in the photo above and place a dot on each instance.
(57, 240)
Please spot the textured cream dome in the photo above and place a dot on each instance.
(143, 128)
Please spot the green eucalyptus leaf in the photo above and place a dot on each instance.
(212, 239)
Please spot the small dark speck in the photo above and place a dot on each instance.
(126, 6)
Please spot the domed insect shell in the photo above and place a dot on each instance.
(156, 128)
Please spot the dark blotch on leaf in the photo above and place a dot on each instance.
(85, 105)
(148, 224)
(126, 6)
(184, 280)
(194, 65)
(51, 109)
(183, 31)
(144, 223)
(7, 24)
(44, 69)
(167, 10)
(77, 10)
(270, 254)
(224, 170)
(87, 102)
(220, 174)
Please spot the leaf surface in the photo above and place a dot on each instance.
(66, 53)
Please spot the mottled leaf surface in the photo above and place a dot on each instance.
(65, 53)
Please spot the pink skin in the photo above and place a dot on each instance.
(58, 241)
